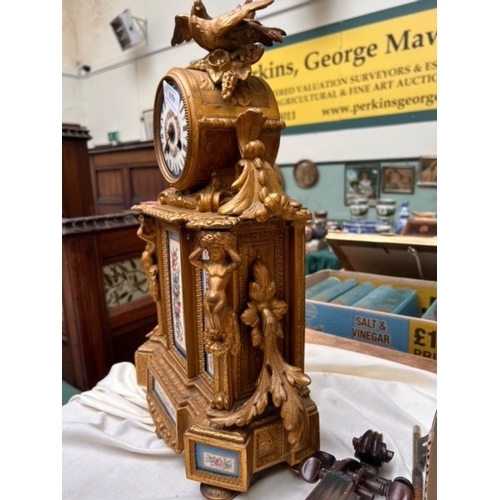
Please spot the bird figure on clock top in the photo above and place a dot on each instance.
(234, 41)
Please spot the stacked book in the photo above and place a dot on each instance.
(399, 314)
(329, 289)
(366, 295)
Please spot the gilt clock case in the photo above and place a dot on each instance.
(196, 136)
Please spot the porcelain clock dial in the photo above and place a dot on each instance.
(173, 129)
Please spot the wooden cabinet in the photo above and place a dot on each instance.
(77, 196)
(124, 175)
(107, 308)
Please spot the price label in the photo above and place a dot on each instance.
(171, 96)
(423, 339)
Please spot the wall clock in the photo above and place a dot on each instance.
(306, 174)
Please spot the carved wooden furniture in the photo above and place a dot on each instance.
(124, 175)
(77, 196)
(107, 310)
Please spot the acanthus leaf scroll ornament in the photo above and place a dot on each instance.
(208, 199)
(278, 379)
(234, 41)
(260, 194)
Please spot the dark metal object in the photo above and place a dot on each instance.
(350, 479)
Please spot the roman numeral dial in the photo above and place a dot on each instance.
(174, 138)
(173, 132)
(194, 127)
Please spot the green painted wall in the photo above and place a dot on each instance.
(328, 193)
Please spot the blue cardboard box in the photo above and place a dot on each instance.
(411, 334)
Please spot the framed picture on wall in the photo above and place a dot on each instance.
(361, 181)
(427, 171)
(147, 118)
(396, 179)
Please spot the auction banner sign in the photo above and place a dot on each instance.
(378, 69)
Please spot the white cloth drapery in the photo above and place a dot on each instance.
(111, 451)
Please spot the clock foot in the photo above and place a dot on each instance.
(216, 493)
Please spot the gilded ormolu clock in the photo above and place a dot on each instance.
(224, 255)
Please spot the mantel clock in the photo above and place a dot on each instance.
(223, 369)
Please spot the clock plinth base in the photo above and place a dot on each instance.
(226, 359)
(223, 460)
(230, 458)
